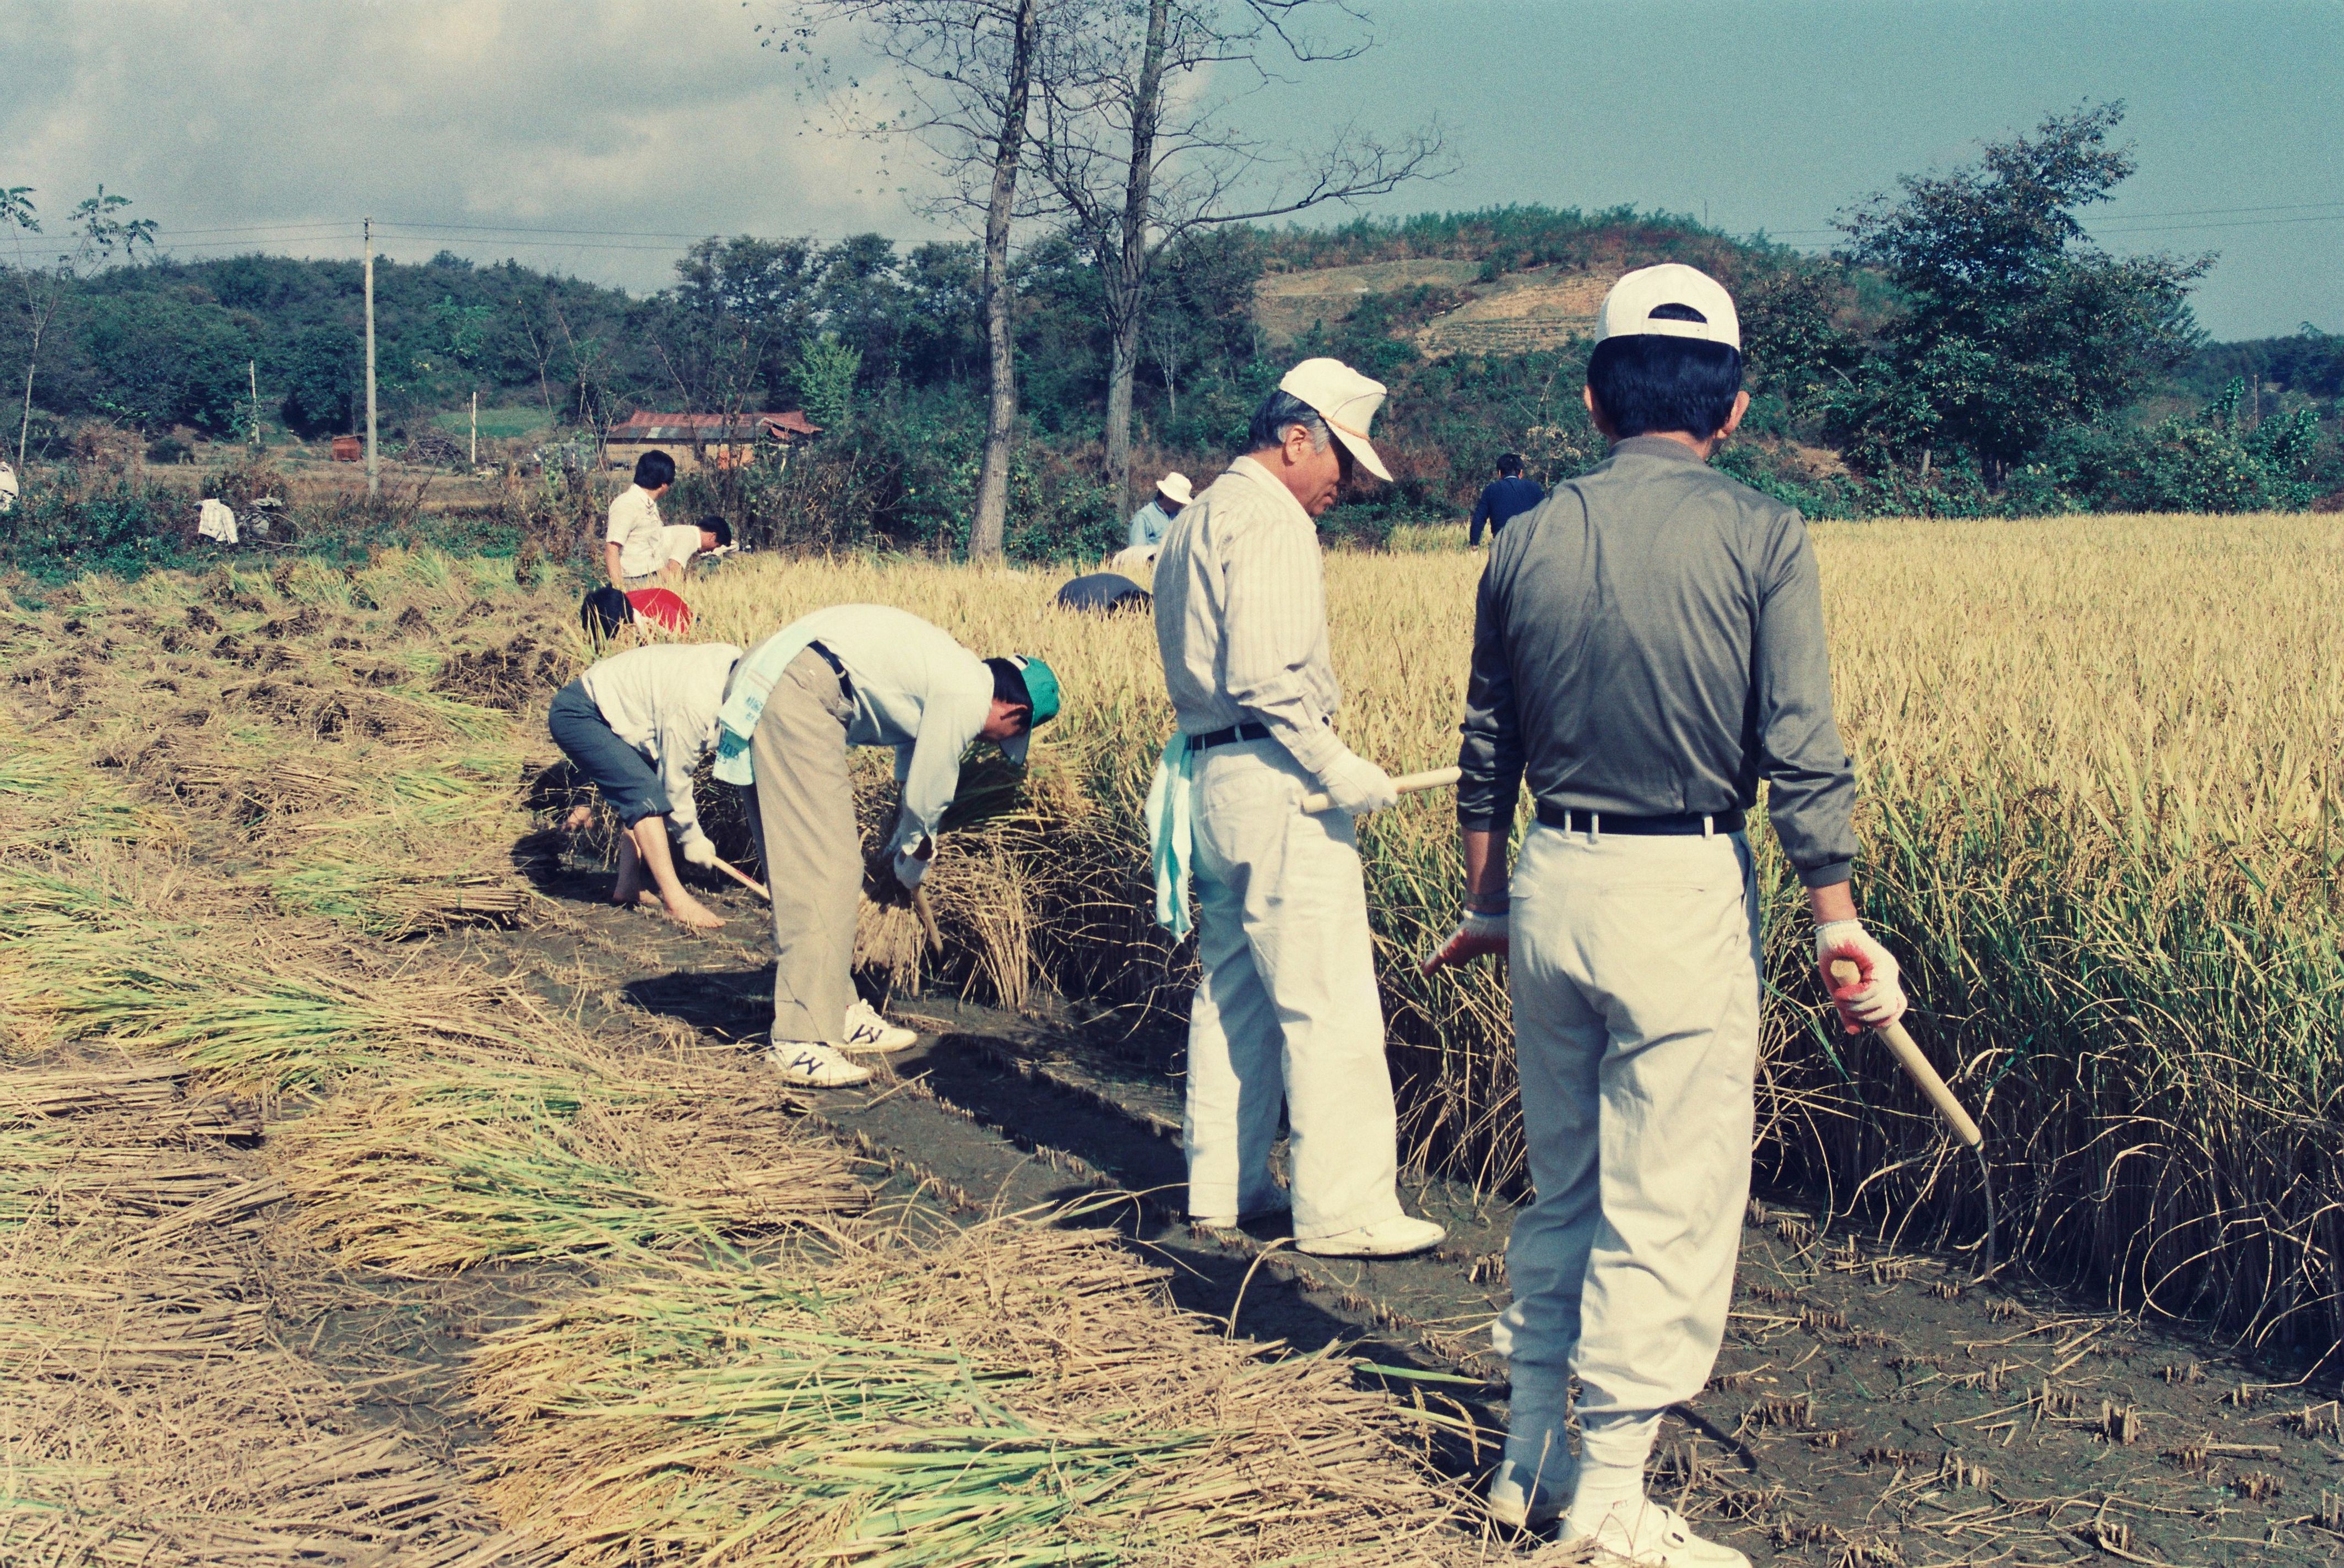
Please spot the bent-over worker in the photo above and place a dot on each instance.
(638, 723)
(1287, 1012)
(855, 676)
(1647, 645)
(681, 544)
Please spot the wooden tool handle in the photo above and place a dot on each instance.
(744, 879)
(1845, 973)
(928, 919)
(1407, 783)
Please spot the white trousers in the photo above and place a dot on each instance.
(1634, 980)
(1287, 1013)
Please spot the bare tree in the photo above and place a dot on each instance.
(965, 72)
(1136, 142)
(100, 237)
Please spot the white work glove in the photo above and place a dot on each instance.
(1478, 932)
(912, 860)
(1354, 785)
(699, 850)
(1875, 1001)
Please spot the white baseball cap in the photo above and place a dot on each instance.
(1175, 487)
(1346, 399)
(1628, 310)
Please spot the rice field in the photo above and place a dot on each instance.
(251, 1075)
(2098, 761)
(243, 1117)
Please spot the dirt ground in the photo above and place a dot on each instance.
(1870, 1408)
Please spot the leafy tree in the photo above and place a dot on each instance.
(321, 375)
(2014, 323)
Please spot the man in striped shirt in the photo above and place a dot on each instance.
(1287, 1011)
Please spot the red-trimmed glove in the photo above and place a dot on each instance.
(1875, 1001)
(1478, 932)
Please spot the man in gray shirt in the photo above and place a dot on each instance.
(1648, 646)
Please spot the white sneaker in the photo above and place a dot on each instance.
(866, 1031)
(1393, 1238)
(1280, 1202)
(1651, 1535)
(809, 1064)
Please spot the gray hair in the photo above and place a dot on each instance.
(1282, 411)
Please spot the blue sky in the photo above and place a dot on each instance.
(276, 124)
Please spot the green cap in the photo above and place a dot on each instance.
(1041, 699)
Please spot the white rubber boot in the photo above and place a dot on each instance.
(1649, 1535)
(1395, 1237)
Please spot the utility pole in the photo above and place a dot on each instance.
(374, 474)
(252, 371)
(475, 427)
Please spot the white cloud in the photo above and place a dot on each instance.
(304, 117)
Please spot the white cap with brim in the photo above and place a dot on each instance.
(1705, 311)
(1175, 487)
(1346, 399)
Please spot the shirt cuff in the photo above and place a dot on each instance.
(1828, 875)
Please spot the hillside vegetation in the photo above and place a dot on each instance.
(1969, 352)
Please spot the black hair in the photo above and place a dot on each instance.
(1009, 686)
(1510, 463)
(1648, 382)
(602, 611)
(1279, 412)
(720, 528)
(654, 469)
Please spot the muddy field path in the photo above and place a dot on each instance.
(1870, 1407)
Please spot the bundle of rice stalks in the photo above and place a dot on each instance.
(477, 1160)
(1013, 1396)
(383, 902)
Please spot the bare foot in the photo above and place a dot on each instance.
(578, 820)
(632, 887)
(649, 898)
(686, 910)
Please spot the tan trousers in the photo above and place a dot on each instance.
(803, 808)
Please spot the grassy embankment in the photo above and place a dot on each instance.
(2099, 762)
(235, 1110)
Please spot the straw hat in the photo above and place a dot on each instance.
(1174, 488)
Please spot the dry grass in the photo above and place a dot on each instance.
(1010, 1396)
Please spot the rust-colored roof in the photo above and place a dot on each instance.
(645, 425)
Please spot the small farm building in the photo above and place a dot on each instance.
(719, 441)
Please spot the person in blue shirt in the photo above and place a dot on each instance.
(1148, 523)
(1509, 496)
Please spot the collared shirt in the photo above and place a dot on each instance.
(679, 542)
(1241, 616)
(1148, 523)
(916, 690)
(1651, 642)
(1509, 497)
(663, 701)
(635, 527)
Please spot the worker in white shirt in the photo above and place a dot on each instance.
(682, 543)
(638, 723)
(1287, 1011)
(1148, 523)
(633, 547)
(8, 489)
(855, 676)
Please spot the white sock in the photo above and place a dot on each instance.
(1613, 1448)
